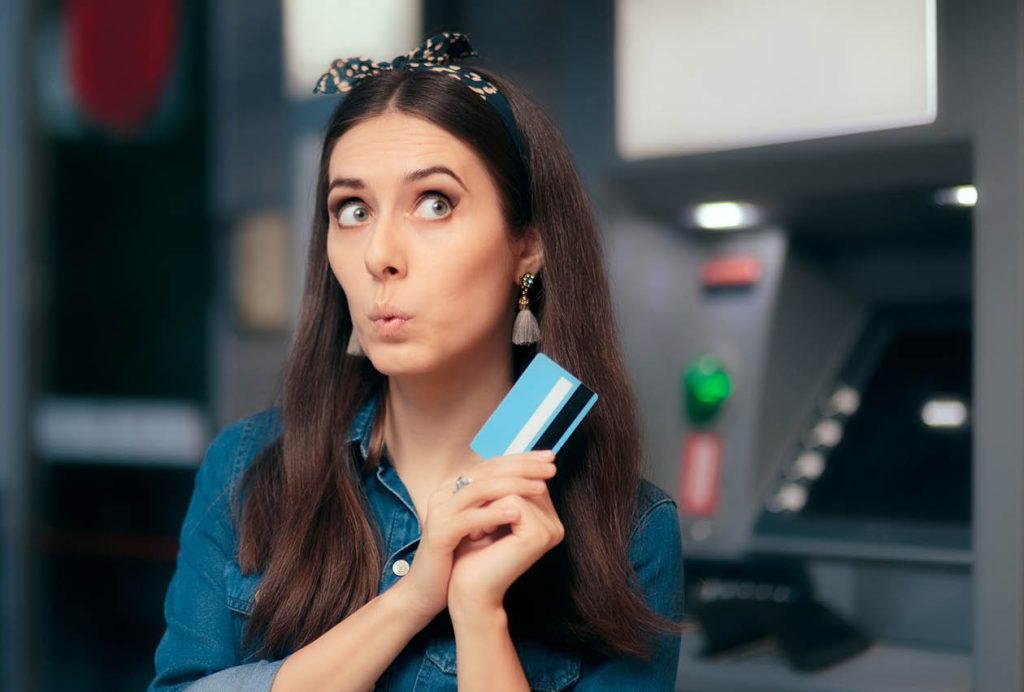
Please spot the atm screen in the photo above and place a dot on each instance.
(901, 469)
(893, 461)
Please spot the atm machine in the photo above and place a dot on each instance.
(805, 389)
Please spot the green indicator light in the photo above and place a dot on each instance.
(706, 387)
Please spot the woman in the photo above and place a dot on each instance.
(350, 538)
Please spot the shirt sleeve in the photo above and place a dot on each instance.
(198, 650)
(655, 552)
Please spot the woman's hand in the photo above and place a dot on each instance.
(450, 517)
(487, 565)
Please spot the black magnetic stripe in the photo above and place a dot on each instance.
(565, 417)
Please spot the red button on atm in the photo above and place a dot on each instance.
(702, 462)
(739, 270)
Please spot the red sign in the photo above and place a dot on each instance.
(700, 475)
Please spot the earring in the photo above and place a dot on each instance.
(354, 347)
(526, 330)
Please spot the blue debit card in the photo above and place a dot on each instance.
(541, 410)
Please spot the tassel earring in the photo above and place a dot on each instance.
(354, 347)
(526, 330)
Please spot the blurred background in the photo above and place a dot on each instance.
(813, 228)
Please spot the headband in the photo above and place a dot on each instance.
(433, 54)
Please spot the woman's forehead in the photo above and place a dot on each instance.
(392, 144)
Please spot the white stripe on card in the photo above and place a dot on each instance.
(540, 416)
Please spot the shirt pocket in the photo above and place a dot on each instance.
(242, 589)
(546, 669)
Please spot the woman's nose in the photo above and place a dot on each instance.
(385, 251)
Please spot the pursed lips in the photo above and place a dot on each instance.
(385, 311)
(389, 320)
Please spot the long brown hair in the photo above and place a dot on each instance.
(306, 523)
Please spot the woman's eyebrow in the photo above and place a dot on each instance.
(358, 184)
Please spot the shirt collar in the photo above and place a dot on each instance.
(362, 426)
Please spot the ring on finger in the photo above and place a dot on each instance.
(460, 483)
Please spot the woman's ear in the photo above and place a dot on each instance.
(530, 257)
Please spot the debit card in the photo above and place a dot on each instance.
(543, 408)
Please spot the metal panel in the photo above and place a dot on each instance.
(14, 495)
(996, 63)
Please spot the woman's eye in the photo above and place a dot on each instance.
(352, 214)
(435, 206)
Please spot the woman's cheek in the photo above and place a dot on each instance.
(333, 259)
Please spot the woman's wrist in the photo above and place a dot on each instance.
(408, 604)
(476, 614)
(486, 657)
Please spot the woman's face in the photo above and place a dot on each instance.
(416, 229)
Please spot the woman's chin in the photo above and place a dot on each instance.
(397, 359)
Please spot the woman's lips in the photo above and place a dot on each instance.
(388, 320)
(390, 326)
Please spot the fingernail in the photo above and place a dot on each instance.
(538, 485)
(546, 454)
(511, 513)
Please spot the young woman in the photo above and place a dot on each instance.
(350, 539)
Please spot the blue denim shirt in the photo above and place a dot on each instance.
(209, 600)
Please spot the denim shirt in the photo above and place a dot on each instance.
(209, 600)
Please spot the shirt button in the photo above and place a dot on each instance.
(401, 568)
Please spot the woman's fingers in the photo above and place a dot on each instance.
(526, 513)
(533, 518)
(460, 516)
(529, 464)
(482, 520)
(509, 507)
(489, 489)
(523, 475)
(539, 464)
(485, 531)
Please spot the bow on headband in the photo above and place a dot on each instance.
(435, 55)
